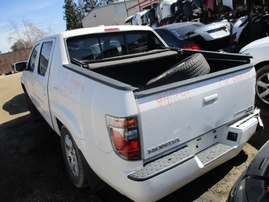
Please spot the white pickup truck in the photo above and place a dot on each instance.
(131, 112)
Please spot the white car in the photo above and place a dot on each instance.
(259, 51)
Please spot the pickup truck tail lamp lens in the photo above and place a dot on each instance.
(124, 136)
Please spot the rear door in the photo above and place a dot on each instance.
(41, 78)
(185, 110)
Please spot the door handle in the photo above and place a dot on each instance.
(55, 87)
(210, 99)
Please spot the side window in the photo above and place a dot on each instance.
(32, 60)
(44, 58)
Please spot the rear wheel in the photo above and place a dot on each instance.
(262, 87)
(193, 66)
(72, 159)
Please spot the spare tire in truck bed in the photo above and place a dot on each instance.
(192, 66)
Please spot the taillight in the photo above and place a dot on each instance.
(124, 136)
(192, 47)
(233, 38)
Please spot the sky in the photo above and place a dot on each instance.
(43, 14)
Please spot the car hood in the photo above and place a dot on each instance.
(256, 44)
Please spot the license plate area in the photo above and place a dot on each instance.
(220, 34)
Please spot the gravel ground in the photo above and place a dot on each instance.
(32, 169)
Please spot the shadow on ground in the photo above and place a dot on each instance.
(31, 164)
(16, 105)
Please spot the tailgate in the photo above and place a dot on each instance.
(188, 109)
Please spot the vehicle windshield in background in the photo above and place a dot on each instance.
(175, 35)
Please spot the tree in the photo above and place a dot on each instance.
(88, 5)
(20, 45)
(72, 15)
(25, 36)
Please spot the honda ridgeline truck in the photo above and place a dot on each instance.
(144, 118)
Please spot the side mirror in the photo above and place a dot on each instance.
(19, 66)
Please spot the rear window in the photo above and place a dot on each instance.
(170, 39)
(99, 46)
(181, 31)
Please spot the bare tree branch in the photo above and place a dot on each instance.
(27, 35)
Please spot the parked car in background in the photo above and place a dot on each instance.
(164, 11)
(140, 18)
(196, 35)
(247, 30)
(253, 184)
(258, 49)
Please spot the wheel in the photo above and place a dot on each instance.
(72, 159)
(36, 116)
(262, 87)
(193, 66)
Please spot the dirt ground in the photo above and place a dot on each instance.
(32, 168)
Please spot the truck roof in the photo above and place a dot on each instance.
(99, 29)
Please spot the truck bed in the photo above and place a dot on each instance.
(137, 71)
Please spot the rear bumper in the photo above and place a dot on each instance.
(235, 134)
(171, 180)
(171, 172)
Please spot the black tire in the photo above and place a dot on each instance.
(262, 88)
(36, 116)
(193, 66)
(72, 159)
